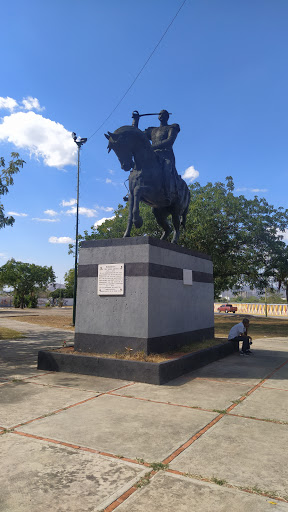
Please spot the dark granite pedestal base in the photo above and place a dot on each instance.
(151, 373)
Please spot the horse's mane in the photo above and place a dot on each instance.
(132, 129)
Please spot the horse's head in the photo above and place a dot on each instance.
(125, 141)
(122, 144)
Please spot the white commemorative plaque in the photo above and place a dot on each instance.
(111, 279)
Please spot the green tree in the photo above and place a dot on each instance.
(6, 180)
(69, 282)
(277, 268)
(239, 233)
(26, 279)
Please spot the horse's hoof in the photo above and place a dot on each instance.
(138, 223)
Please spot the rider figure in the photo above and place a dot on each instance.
(163, 138)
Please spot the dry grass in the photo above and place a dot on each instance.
(259, 326)
(63, 321)
(151, 358)
(10, 334)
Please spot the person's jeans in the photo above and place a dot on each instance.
(245, 340)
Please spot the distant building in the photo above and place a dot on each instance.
(55, 286)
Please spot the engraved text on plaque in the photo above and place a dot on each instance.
(111, 279)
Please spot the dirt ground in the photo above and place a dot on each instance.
(61, 318)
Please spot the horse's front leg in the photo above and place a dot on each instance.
(137, 219)
(130, 216)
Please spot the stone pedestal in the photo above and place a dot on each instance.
(157, 311)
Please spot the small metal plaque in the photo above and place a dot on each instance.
(187, 276)
(111, 279)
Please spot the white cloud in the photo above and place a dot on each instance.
(30, 103)
(88, 212)
(42, 137)
(51, 212)
(108, 180)
(68, 203)
(190, 174)
(111, 171)
(101, 221)
(247, 189)
(45, 220)
(8, 103)
(16, 214)
(106, 208)
(61, 240)
(284, 234)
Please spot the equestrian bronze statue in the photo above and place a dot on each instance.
(153, 178)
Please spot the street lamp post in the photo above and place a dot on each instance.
(79, 143)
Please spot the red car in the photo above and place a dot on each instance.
(227, 308)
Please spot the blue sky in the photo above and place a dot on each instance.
(221, 70)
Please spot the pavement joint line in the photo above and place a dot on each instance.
(121, 387)
(257, 386)
(225, 484)
(277, 389)
(278, 422)
(58, 410)
(127, 494)
(81, 448)
(192, 439)
(218, 418)
(159, 402)
(62, 387)
(77, 388)
(227, 381)
(39, 376)
(274, 371)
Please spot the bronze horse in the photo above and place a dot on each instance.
(147, 182)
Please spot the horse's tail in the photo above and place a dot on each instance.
(184, 214)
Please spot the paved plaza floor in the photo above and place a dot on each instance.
(213, 440)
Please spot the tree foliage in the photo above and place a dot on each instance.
(239, 233)
(26, 279)
(6, 180)
(277, 268)
(69, 282)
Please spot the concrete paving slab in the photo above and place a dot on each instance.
(242, 451)
(21, 371)
(84, 382)
(270, 404)
(22, 401)
(37, 475)
(279, 379)
(275, 344)
(246, 370)
(122, 426)
(190, 392)
(172, 493)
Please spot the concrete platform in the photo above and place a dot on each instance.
(123, 426)
(88, 441)
(181, 494)
(241, 451)
(51, 477)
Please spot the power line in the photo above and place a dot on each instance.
(137, 76)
